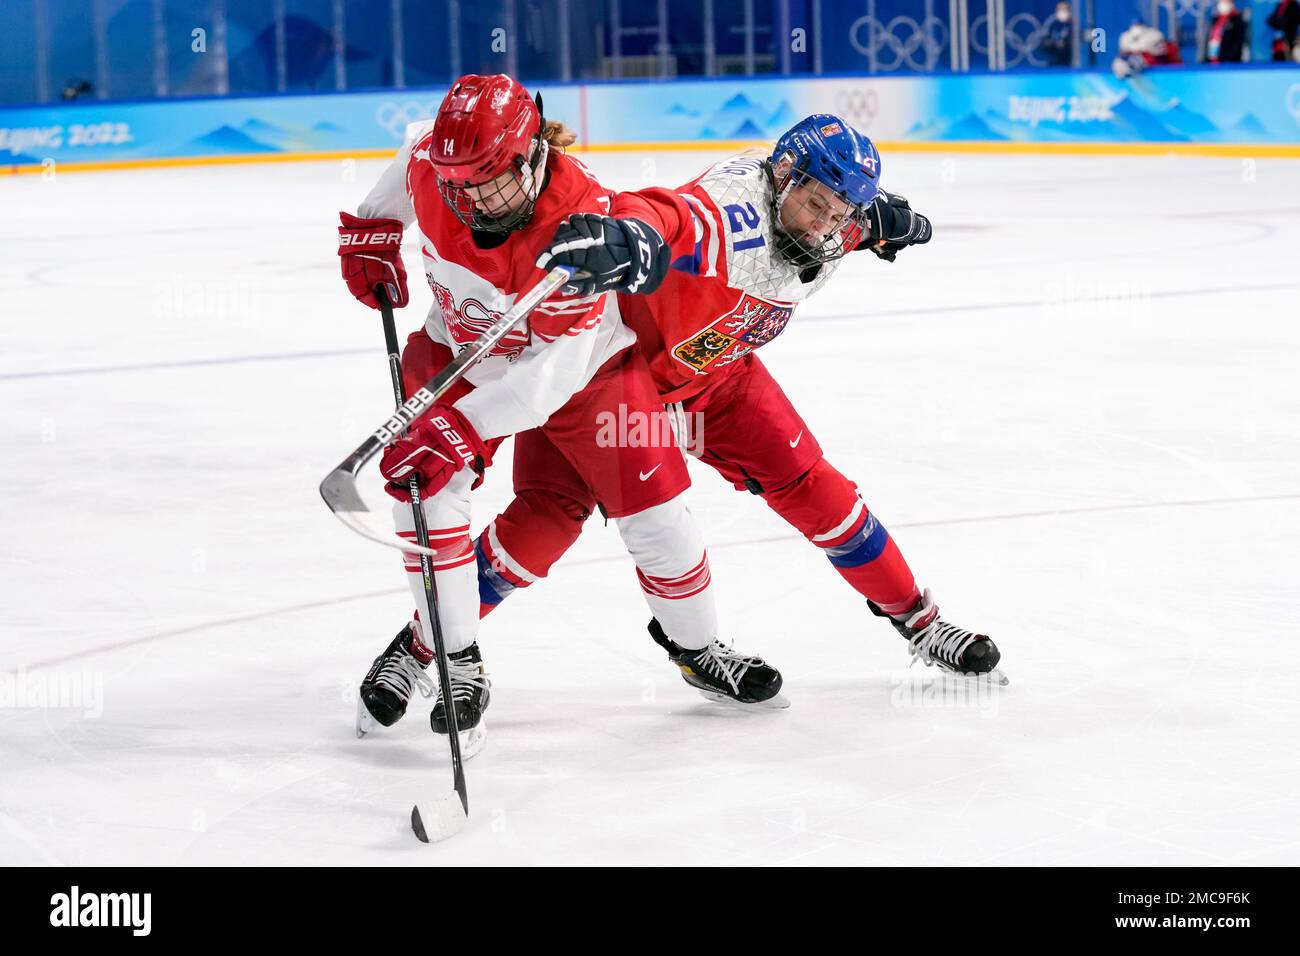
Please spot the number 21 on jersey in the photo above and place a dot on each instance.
(743, 218)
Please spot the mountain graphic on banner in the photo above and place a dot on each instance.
(1187, 122)
(748, 130)
(782, 119)
(259, 135)
(969, 126)
(227, 139)
(1249, 127)
(742, 118)
(1137, 123)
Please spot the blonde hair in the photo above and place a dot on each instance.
(558, 136)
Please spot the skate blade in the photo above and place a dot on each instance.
(365, 723)
(994, 676)
(471, 741)
(778, 702)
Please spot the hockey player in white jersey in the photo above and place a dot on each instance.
(752, 237)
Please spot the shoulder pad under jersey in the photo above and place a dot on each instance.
(741, 191)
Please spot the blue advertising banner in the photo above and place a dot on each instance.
(246, 127)
(1189, 106)
(1174, 105)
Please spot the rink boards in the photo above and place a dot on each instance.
(1197, 110)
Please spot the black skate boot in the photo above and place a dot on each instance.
(721, 674)
(932, 640)
(392, 678)
(471, 691)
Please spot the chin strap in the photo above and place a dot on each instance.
(533, 173)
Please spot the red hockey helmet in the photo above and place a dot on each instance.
(488, 153)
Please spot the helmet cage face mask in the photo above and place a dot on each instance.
(797, 250)
(471, 202)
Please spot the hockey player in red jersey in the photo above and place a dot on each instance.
(488, 186)
(752, 237)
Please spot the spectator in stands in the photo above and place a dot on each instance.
(1141, 46)
(1058, 36)
(1286, 19)
(1227, 37)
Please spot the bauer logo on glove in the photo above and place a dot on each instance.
(370, 253)
(376, 239)
(433, 451)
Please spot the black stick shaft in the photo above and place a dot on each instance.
(434, 624)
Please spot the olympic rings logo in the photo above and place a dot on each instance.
(395, 117)
(1026, 47)
(1293, 101)
(857, 105)
(1024, 33)
(928, 38)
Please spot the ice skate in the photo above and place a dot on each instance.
(934, 641)
(723, 675)
(470, 693)
(387, 687)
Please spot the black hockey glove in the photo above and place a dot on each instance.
(890, 218)
(617, 255)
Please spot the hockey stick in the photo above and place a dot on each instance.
(339, 489)
(446, 819)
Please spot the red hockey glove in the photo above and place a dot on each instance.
(439, 444)
(370, 251)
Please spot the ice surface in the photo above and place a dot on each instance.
(1076, 411)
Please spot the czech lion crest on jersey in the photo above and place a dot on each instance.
(752, 323)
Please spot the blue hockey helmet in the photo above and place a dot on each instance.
(824, 148)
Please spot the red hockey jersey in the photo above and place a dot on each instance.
(729, 292)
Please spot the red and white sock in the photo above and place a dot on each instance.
(454, 568)
(673, 570)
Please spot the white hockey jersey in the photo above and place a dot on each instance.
(555, 352)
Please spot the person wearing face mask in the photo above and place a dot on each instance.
(1227, 37)
(1058, 37)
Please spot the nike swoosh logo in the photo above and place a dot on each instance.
(645, 475)
(797, 439)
